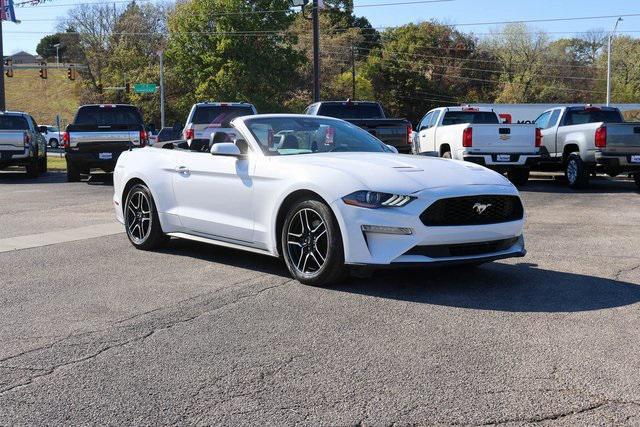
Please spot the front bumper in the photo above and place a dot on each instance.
(384, 249)
(491, 160)
(618, 161)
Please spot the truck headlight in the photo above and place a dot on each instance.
(375, 199)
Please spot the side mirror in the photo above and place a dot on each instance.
(42, 129)
(226, 149)
(392, 148)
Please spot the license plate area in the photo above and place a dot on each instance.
(105, 156)
(503, 157)
(634, 159)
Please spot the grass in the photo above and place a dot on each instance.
(43, 99)
(56, 163)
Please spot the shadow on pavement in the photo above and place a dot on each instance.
(20, 177)
(500, 287)
(558, 185)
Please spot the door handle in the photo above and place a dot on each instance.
(182, 170)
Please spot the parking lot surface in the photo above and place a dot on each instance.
(96, 332)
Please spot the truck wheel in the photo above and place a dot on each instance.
(576, 171)
(43, 165)
(518, 176)
(33, 168)
(636, 178)
(446, 155)
(73, 173)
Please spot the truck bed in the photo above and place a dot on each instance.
(390, 131)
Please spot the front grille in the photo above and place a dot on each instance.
(473, 210)
(465, 249)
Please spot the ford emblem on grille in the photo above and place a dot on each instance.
(479, 208)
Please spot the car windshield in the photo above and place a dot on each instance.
(476, 117)
(350, 110)
(13, 123)
(219, 115)
(307, 135)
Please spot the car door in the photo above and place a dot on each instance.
(426, 146)
(214, 194)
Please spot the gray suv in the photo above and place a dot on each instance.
(206, 118)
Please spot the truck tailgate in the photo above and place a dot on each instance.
(623, 137)
(12, 140)
(98, 141)
(505, 138)
(390, 131)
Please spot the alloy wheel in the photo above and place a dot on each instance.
(307, 241)
(572, 171)
(138, 217)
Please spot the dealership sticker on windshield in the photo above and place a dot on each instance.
(105, 156)
(503, 157)
(635, 159)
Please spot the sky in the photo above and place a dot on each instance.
(41, 20)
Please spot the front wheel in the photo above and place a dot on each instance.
(311, 244)
(141, 219)
(576, 171)
(33, 168)
(518, 176)
(73, 173)
(446, 155)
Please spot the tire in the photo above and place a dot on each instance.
(141, 219)
(636, 178)
(446, 155)
(43, 165)
(576, 171)
(53, 143)
(518, 176)
(33, 168)
(310, 231)
(73, 173)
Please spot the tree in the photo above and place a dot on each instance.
(219, 50)
(46, 47)
(625, 69)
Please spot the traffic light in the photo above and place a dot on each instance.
(8, 65)
(71, 73)
(43, 70)
(127, 87)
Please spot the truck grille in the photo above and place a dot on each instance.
(465, 249)
(473, 210)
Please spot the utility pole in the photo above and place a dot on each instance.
(57, 46)
(353, 72)
(3, 105)
(609, 41)
(316, 52)
(161, 53)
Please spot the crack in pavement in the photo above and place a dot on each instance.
(139, 338)
(625, 270)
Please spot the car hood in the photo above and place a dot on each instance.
(395, 172)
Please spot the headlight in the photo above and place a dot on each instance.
(374, 199)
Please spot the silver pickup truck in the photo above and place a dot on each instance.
(97, 136)
(21, 144)
(583, 140)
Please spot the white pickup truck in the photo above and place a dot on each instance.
(582, 140)
(476, 135)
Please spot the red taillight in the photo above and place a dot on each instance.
(601, 137)
(409, 134)
(65, 139)
(26, 139)
(144, 139)
(189, 134)
(538, 137)
(467, 137)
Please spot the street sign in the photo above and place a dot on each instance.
(144, 88)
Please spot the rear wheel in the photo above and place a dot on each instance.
(73, 173)
(446, 154)
(43, 164)
(33, 168)
(53, 143)
(576, 171)
(518, 176)
(311, 244)
(141, 219)
(636, 178)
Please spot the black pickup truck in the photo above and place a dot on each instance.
(369, 116)
(97, 136)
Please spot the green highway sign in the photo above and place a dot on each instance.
(144, 88)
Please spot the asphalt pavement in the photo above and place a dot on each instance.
(96, 332)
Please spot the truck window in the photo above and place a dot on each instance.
(579, 117)
(13, 123)
(475, 117)
(219, 115)
(346, 110)
(424, 124)
(543, 120)
(434, 119)
(97, 115)
(553, 120)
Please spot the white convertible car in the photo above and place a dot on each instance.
(320, 192)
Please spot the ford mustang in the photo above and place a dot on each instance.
(321, 193)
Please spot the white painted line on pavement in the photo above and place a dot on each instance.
(61, 236)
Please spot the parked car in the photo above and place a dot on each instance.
(99, 134)
(369, 116)
(476, 135)
(51, 135)
(208, 117)
(340, 199)
(21, 144)
(582, 140)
